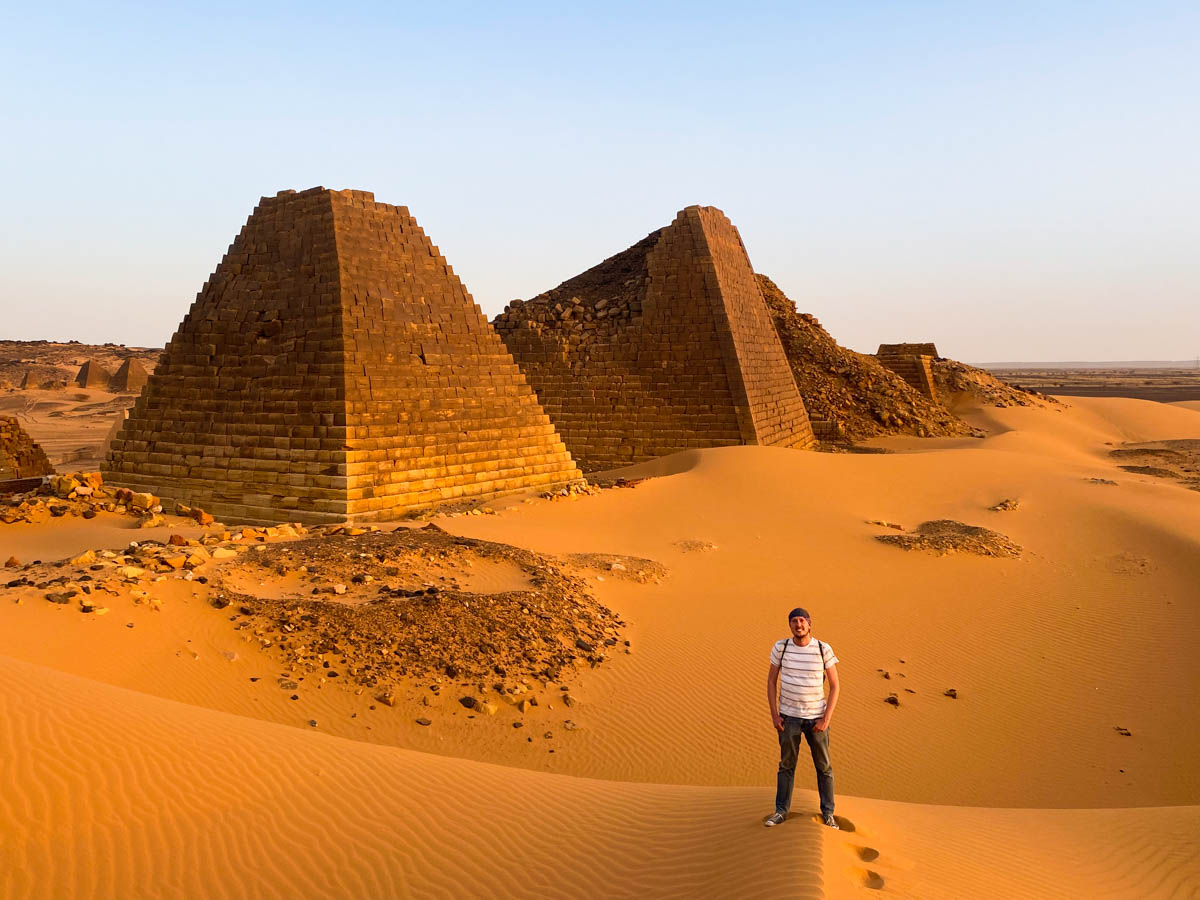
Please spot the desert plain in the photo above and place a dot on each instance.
(1011, 724)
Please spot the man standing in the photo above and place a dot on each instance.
(799, 709)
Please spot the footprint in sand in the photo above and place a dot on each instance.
(866, 854)
(868, 878)
(843, 823)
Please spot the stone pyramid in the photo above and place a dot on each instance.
(664, 347)
(92, 375)
(20, 455)
(334, 367)
(130, 378)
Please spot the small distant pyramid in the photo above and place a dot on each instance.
(130, 378)
(334, 367)
(913, 363)
(92, 375)
(664, 347)
(20, 455)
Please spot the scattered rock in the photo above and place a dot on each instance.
(951, 693)
(1005, 505)
(424, 721)
(12, 563)
(945, 536)
(469, 702)
(892, 699)
(1124, 732)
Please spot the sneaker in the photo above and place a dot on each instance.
(775, 819)
(831, 822)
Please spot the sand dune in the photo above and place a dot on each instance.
(135, 747)
(179, 801)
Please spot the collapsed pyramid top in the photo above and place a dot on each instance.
(334, 367)
(664, 347)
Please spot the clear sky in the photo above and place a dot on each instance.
(1016, 180)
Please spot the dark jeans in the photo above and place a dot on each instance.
(789, 749)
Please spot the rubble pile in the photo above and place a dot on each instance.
(854, 392)
(84, 494)
(383, 607)
(945, 536)
(952, 377)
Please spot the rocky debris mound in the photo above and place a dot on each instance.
(629, 568)
(853, 391)
(1178, 460)
(411, 626)
(20, 455)
(85, 494)
(945, 536)
(589, 308)
(134, 572)
(953, 377)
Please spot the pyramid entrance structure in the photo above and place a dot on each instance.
(665, 347)
(92, 375)
(130, 378)
(334, 368)
(913, 363)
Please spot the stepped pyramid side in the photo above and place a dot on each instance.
(131, 377)
(245, 413)
(664, 347)
(436, 408)
(913, 363)
(772, 410)
(20, 455)
(92, 375)
(334, 367)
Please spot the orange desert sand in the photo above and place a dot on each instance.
(144, 761)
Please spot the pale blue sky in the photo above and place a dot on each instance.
(1013, 180)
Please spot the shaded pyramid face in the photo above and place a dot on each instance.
(132, 376)
(334, 367)
(665, 347)
(92, 375)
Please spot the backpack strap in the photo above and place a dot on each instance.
(821, 651)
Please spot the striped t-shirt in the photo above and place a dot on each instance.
(801, 677)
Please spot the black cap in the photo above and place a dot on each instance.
(799, 611)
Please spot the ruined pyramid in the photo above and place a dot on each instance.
(130, 378)
(664, 347)
(92, 375)
(20, 455)
(334, 367)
